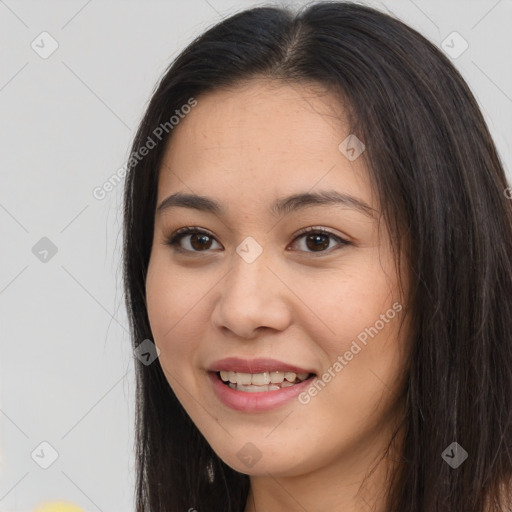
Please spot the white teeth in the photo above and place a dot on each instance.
(258, 379)
(276, 377)
(266, 381)
(290, 376)
(244, 378)
(255, 389)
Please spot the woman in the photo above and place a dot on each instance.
(318, 241)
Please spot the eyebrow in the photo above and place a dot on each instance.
(283, 206)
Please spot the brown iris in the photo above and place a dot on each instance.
(318, 241)
(203, 241)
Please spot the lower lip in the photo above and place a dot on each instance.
(258, 401)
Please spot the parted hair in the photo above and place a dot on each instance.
(441, 187)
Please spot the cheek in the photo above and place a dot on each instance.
(362, 352)
(345, 301)
(173, 294)
(171, 302)
(365, 373)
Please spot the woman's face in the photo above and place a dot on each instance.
(250, 285)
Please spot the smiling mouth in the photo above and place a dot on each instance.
(261, 382)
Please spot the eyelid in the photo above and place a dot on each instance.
(174, 239)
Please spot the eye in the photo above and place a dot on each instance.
(317, 240)
(198, 240)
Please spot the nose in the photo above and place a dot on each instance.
(252, 298)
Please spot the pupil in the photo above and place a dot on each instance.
(202, 241)
(317, 241)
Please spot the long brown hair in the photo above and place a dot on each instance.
(441, 187)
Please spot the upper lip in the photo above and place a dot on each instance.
(260, 365)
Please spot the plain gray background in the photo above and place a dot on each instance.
(66, 126)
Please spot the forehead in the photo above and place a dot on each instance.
(266, 138)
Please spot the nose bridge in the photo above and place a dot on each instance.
(251, 296)
(249, 266)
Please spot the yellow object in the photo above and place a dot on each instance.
(59, 506)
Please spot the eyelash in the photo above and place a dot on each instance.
(176, 237)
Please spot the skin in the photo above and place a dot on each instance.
(246, 147)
